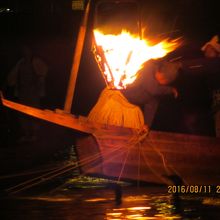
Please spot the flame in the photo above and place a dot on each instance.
(125, 54)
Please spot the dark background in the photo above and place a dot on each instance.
(51, 28)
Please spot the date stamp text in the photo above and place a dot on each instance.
(193, 189)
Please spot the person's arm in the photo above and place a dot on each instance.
(156, 89)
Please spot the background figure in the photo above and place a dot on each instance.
(28, 80)
(211, 50)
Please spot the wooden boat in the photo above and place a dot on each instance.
(122, 153)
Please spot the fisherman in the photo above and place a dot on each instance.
(206, 69)
(123, 108)
(211, 51)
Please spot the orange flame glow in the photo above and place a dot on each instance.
(126, 53)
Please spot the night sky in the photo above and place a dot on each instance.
(51, 28)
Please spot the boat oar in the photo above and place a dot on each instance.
(76, 60)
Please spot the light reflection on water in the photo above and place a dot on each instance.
(70, 203)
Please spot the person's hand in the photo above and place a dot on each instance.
(175, 93)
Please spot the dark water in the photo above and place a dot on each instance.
(75, 200)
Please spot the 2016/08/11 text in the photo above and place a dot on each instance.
(194, 189)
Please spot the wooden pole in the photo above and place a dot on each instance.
(76, 61)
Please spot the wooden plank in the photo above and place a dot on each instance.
(56, 117)
(110, 132)
(62, 118)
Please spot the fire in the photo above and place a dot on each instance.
(124, 55)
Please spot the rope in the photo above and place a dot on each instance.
(26, 173)
(164, 162)
(141, 136)
(123, 166)
(47, 176)
(139, 164)
(99, 165)
(136, 139)
(152, 170)
(108, 154)
(52, 174)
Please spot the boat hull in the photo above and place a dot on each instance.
(120, 153)
(195, 159)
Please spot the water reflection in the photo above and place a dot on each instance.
(70, 203)
(152, 207)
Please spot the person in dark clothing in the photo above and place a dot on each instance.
(211, 52)
(151, 85)
(205, 80)
(123, 107)
(28, 79)
(206, 70)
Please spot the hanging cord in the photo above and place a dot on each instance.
(135, 140)
(123, 166)
(139, 164)
(138, 139)
(162, 179)
(28, 173)
(35, 181)
(113, 156)
(168, 170)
